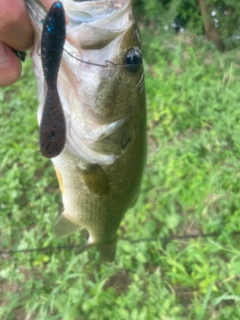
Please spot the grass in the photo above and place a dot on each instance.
(191, 186)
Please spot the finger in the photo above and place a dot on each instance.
(10, 66)
(15, 26)
(47, 3)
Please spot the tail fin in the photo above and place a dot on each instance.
(65, 227)
(107, 251)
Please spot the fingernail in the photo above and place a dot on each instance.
(3, 53)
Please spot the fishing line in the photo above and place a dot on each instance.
(106, 65)
(163, 239)
(22, 57)
(168, 239)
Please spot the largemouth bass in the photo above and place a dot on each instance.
(100, 84)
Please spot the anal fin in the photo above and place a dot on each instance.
(65, 227)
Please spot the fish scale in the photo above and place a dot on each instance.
(101, 165)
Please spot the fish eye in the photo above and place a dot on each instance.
(133, 60)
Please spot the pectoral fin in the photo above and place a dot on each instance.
(95, 179)
(65, 227)
(106, 146)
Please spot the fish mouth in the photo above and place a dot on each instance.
(95, 29)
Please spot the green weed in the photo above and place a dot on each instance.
(191, 186)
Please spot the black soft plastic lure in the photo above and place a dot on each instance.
(53, 125)
(20, 54)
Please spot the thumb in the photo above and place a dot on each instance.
(10, 66)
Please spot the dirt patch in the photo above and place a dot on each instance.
(119, 282)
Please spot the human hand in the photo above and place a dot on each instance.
(15, 32)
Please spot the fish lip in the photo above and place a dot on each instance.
(95, 11)
(102, 28)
